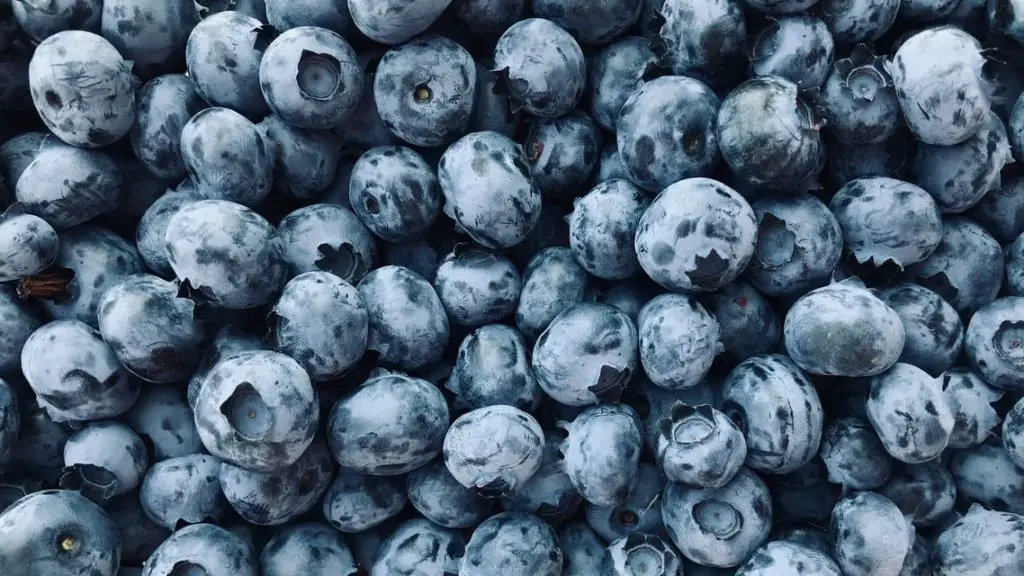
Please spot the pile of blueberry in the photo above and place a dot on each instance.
(511, 287)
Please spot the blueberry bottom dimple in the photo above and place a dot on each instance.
(718, 518)
(188, 569)
(319, 75)
(644, 560)
(247, 413)
(691, 430)
(1009, 342)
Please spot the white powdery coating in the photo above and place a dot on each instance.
(82, 88)
(910, 413)
(395, 21)
(100, 444)
(938, 79)
(879, 535)
(602, 453)
(533, 52)
(494, 443)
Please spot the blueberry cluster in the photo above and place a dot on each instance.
(511, 287)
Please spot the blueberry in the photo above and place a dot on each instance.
(562, 153)
(602, 453)
(967, 267)
(488, 189)
(419, 547)
(309, 548)
(799, 243)
(477, 287)
(870, 535)
(541, 66)
(700, 446)
(854, 455)
(68, 186)
(492, 110)
(287, 14)
(938, 79)
(614, 74)
(202, 548)
(58, 531)
(440, 498)
(718, 527)
(924, 492)
(609, 165)
(515, 544)
(320, 320)
(860, 20)
(492, 367)
(494, 449)
(748, 323)
(848, 162)
(39, 453)
(10, 423)
(981, 538)
(223, 55)
(425, 90)
(972, 401)
(152, 331)
(705, 42)
(910, 413)
(140, 536)
(696, 236)
(777, 409)
(408, 326)
(257, 410)
(987, 474)
(227, 253)
(278, 497)
(993, 342)
(550, 493)
(164, 105)
(227, 156)
(959, 176)
(17, 322)
(804, 495)
(306, 160)
(229, 339)
(86, 114)
(678, 340)
(1015, 267)
(75, 374)
(788, 558)
(925, 10)
(327, 237)
(310, 76)
(152, 36)
(395, 21)
(602, 226)
(19, 151)
(394, 192)
(843, 330)
(183, 490)
(934, 332)
(640, 513)
(642, 554)
(797, 47)
(769, 136)
(162, 417)
(488, 18)
(552, 283)
(1001, 211)
(103, 460)
(860, 102)
(586, 355)
(590, 22)
(40, 22)
(582, 550)
(28, 245)
(1012, 429)
(389, 425)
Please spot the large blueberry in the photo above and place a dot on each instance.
(541, 66)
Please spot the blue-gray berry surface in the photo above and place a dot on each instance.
(667, 130)
(183, 490)
(227, 156)
(910, 413)
(494, 449)
(870, 535)
(515, 544)
(90, 185)
(696, 236)
(678, 341)
(394, 192)
(553, 282)
(327, 237)
(541, 66)
(797, 47)
(223, 56)
(614, 74)
(310, 77)
(394, 21)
